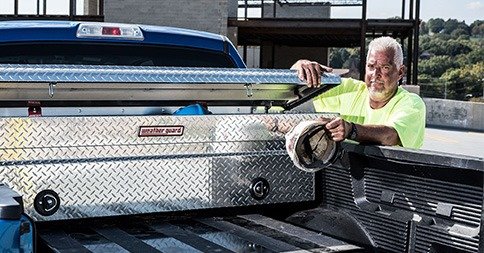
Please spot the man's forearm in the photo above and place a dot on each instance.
(379, 134)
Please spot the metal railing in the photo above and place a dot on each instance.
(256, 3)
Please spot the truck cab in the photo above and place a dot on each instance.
(63, 42)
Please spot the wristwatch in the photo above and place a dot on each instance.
(353, 134)
(275, 127)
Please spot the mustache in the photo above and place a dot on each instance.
(375, 81)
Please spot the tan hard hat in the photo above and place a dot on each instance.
(310, 147)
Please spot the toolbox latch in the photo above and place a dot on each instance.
(34, 109)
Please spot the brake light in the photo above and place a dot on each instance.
(106, 30)
(111, 31)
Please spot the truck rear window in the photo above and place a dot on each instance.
(112, 54)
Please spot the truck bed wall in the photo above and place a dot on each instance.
(399, 200)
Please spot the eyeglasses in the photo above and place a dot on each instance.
(385, 69)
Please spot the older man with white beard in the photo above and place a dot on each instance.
(377, 110)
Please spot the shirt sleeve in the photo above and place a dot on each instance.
(330, 101)
(409, 121)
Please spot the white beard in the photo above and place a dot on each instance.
(377, 95)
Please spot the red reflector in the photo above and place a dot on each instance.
(111, 31)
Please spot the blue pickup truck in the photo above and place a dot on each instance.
(134, 138)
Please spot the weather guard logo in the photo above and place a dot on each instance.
(154, 131)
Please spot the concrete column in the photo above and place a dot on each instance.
(204, 15)
(287, 11)
(91, 7)
(233, 8)
(232, 35)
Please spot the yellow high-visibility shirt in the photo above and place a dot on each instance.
(405, 111)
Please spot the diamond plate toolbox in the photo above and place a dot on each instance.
(106, 166)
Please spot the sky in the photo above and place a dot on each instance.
(462, 10)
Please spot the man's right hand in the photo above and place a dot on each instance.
(310, 71)
(338, 128)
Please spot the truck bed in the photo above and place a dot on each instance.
(216, 182)
(242, 233)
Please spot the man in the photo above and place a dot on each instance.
(374, 111)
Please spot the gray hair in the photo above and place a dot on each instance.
(387, 43)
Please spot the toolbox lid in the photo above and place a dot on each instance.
(165, 85)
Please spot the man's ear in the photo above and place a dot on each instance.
(401, 71)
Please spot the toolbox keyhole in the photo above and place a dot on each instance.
(47, 202)
(259, 188)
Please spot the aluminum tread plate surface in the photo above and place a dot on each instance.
(227, 86)
(148, 74)
(100, 167)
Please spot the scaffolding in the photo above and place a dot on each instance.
(328, 32)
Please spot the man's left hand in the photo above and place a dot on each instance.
(310, 71)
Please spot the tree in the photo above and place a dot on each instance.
(353, 58)
(429, 43)
(436, 65)
(466, 80)
(435, 45)
(439, 46)
(431, 88)
(455, 61)
(424, 41)
(442, 36)
(459, 32)
(436, 25)
(337, 56)
(476, 56)
(453, 24)
(477, 28)
(424, 29)
(454, 47)
(462, 25)
(476, 23)
(450, 25)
